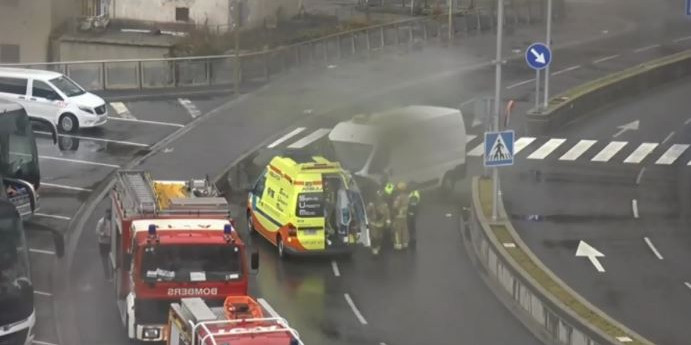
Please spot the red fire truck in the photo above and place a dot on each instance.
(171, 239)
(240, 321)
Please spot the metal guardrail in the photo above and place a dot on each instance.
(224, 70)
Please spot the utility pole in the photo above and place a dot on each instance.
(548, 42)
(497, 101)
(450, 21)
(236, 34)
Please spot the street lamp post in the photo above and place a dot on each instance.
(497, 101)
(549, 44)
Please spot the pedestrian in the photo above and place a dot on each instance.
(103, 231)
(400, 222)
(413, 204)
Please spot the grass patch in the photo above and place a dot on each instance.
(545, 280)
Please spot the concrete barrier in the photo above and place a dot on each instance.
(581, 100)
(546, 305)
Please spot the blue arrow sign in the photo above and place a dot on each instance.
(538, 55)
(688, 7)
(499, 148)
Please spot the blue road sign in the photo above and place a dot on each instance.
(538, 55)
(688, 7)
(499, 148)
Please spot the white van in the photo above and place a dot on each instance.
(420, 144)
(53, 97)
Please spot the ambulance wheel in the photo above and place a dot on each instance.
(281, 248)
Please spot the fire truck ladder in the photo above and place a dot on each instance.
(139, 192)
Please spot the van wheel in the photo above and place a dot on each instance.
(68, 123)
(448, 182)
(281, 248)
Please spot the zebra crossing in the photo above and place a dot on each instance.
(539, 148)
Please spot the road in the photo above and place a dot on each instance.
(635, 213)
(310, 294)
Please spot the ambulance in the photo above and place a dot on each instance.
(307, 205)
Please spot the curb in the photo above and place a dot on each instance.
(562, 319)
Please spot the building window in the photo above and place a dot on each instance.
(182, 14)
(9, 53)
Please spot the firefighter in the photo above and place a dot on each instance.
(400, 222)
(103, 231)
(380, 219)
(413, 203)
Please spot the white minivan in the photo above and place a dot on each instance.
(53, 97)
(417, 144)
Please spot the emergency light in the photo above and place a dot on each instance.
(227, 229)
(152, 230)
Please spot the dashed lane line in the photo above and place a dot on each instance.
(310, 138)
(642, 49)
(687, 121)
(62, 186)
(669, 136)
(355, 310)
(688, 285)
(681, 39)
(640, 175)
(54, 216)
(39, 342)
(122, 110)
(520, 83)
(606, 58)
(652, 247)
(79, 161)
(191, 108)
(130, 143)
(334, 266)
(634, 208)
(171, 124)
(41, 251)
(287, 136)
(42, 293)
(565, 70)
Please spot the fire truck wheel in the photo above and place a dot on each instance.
(281, 248)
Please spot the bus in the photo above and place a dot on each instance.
(21, 177)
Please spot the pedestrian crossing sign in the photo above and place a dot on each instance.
(499, 148)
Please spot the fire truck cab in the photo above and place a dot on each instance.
(170, 240)
(240, 321)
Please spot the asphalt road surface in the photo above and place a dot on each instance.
(432, 294)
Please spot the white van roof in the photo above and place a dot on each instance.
(412, 113)
(28, 73)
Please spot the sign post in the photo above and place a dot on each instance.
(549, 43)
(538, 56)
(498, 152)
(497, 98)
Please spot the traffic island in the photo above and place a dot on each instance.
(554, 312)
(584, 99)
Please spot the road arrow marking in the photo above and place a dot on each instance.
(584, 249)
(539, 57)
(631, 126)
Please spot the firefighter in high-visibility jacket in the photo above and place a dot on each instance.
(400, 221)
(413, 204)
(380, 219)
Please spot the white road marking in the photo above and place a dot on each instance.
(334, 266)
(688, 285)
(520, 83)
(624, 339)
(191, 108)
(652, 247)
(568, 69)
(586, 250)
(42, 293)
(79, 161)
(280, 140)
(39, 342)
(41, 251)
(268, 307)
(687, 121)
(682, 39)
(98, 139)
(672, 153)
(467, 102)
(546, 149)
(640, 153)
(310, 138)
(470, 138)
(148, 121)
(642, 49)
(52, 216)
(62, 186)
(357, 313)
(509, 245)
(640, 175)
(609, 151)
(521, 143)
(478, 151)
(577, 150)
(634, 207)
(122, 110)
(669, 136)
(606, 58)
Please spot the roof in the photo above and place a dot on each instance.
(9, 106)
(142, 225)
(26, 72)
(316, 166)
(413, 113)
